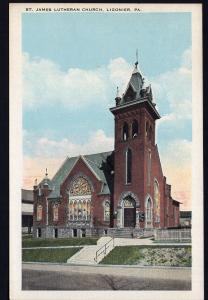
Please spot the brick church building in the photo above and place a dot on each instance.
(106, 192)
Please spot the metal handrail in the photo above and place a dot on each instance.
(103, 250)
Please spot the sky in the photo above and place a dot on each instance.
(72, 64)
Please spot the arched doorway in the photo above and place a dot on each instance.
(129, 212)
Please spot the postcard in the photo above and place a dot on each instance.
(106, 196)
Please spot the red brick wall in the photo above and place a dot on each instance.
(97, 209)
(140, 147)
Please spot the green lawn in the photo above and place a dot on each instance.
(32, 242)
(150, 256)
(48, 255)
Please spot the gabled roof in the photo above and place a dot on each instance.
(95, 162)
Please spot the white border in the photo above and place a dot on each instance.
(16, 160)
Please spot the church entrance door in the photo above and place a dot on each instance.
(129, 217)
(129, 212)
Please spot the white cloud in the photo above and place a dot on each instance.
(177, 152)
(172, 90)
(45, 84)
(49, 153)
(44, 147)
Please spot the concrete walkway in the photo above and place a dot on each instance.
(53, 247)
(88, 253)
(86, 256)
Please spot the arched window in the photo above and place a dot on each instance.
(55, 212)
(128, 165)
(39, 212)
(147, 128)
(80, 186)
(125, 131)
(71, 210)
(149, 211)
(107, 211)
(134, 129)
(150, 132)
(80, 209)
(149, 167)
(75, 210)
(156, 201)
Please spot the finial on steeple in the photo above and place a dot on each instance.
(136, 63)
(117, 92)
(36, 182)
(118, 97)
(46, 174)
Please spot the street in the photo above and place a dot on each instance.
(62, 277)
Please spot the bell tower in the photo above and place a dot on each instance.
(135, 115)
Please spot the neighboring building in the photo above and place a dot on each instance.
(91, 194)
(185, 218)
(27, 210)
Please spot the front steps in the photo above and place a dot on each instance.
(129, 232)
(88, 253)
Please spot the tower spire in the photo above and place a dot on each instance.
(118, 97)
(136, 63)
(46, 173)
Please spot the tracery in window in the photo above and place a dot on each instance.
(80, 186)
(149, 211)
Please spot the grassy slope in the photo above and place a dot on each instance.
(129, 255)
(48, 255)
(30, 242)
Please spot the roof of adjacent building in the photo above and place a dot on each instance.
(27, 195)
(97, 162)
(185, 214)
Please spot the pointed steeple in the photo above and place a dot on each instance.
(135, 84)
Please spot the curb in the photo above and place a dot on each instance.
(113, 266)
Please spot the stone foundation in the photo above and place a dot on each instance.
(68, 232)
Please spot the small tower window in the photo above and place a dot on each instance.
(134, 129)
(125, 131)
(128, 165)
